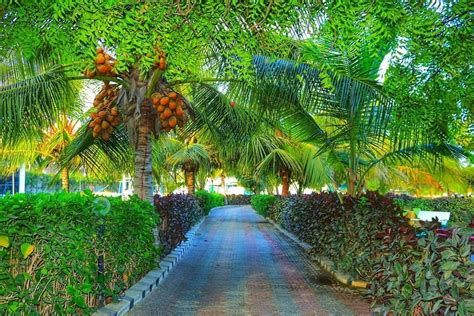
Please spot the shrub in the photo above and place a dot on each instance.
(461, 209)
(262, 203)
(432, 278)
(178, 213)
(234, 199)
(60, 275)
(209, 200)
(369, 238)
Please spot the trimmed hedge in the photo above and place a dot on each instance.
(369, 238)
(262, 203)
(235, 199)
(461, 209)
(178, 213)
(59, 276)
(209, 200)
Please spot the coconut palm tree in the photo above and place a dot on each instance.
(335, 102)
(187, 155)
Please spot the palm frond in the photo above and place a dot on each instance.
(32, 95)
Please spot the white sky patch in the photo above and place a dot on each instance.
(384, 67)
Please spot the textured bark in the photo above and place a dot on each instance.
(285, 182)
(142, 182)
(65, 179)
(190, 181)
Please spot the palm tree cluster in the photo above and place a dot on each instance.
(325, 119)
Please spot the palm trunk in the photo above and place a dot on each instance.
(285, 182)
(65, 179)
(300, 189)
(142, 182)
(223, 183)
(190, 180)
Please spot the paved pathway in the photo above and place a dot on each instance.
(238, 264)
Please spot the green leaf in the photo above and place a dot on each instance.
(450, 265)
(407, 290)
(27, 249)
(79, 301)
(4, 241)
(86, 288)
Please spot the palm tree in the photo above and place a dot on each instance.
(187, 155)
(335, 102)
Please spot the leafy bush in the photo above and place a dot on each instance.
(262, 203)
(433, 278)
(369, 238)
(461, 209)
(209, 200)
(178, 213)
(235, 199)
(50, 264)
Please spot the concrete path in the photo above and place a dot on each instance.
(238, 264)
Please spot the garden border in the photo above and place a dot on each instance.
(324, 263)
(151, 280)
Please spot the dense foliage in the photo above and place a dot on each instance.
(238, 199)
(178, 213)
(435, 277)
(461, 209)
(49, 247)
(209, 200)
(368, 237)
(262, 203)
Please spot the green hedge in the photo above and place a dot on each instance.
(60, 275)
(369, 238)
(209, 200)
(262, 203)
(461, 209)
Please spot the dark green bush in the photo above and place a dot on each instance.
(461, 209)
(178, 213)
(238, 199)
(209, 200)
(369, 238)
(60, 275)
(262, 203)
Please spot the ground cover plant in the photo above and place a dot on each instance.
(178, 213)
(49, 247)
(368, 237)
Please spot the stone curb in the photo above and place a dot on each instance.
(150, 281)
(325, 263)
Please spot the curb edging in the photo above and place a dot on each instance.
(324, 263)
(151, 280)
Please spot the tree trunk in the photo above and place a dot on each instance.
(223, 184)
(300, 188)
(190, 180)
(285, 182)
(65, 179)
(351, 182)
(142, 181)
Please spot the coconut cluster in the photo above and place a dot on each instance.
(106, 116)
(160, 61)
(170, 108)
(104, 65)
